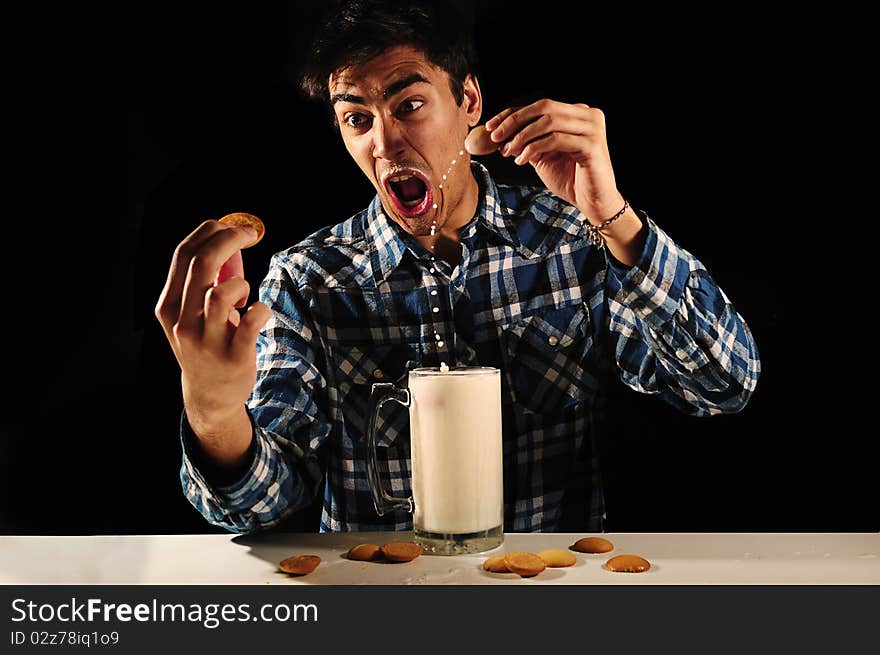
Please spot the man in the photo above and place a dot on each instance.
(554, 287)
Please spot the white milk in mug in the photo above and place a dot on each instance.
(456, 449)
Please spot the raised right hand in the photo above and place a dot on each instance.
(216, 350)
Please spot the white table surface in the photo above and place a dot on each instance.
(697, 558)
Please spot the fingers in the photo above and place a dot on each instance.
(543, 126)
(204, 268)
(232, 267)
(244, 341)
(220, 304)
(513, 120)
(496, 120)
(555, 142)
(517, 127)
(168, 308)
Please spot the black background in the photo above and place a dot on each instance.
(735, 130)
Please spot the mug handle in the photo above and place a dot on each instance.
(380, 394)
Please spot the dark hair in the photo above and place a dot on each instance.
(356, 31)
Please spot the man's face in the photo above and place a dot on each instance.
(401, 124)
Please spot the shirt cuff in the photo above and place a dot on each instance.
(652, 287)
(221, 483)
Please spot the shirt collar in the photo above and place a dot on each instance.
(384, 241)
(387, 242)
(491, 210)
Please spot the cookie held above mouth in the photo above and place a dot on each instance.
(478, 142)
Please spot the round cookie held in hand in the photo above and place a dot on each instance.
(479, 143)
(241, 219)
(300, 564)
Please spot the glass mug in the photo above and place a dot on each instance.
(456, 449)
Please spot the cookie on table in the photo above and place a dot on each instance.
(365, 552)
(592, 545)
(401, 551)
(496, 564)
(628, 564)
(525, 565)
(300, 564)
(557, 558)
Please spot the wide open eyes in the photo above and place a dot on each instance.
(360, 121)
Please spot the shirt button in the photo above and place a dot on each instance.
(378, 374)
(437, 336)
(439, 344)
(435, 310)
(433, 292)
(552, 340)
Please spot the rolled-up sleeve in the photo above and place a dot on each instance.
(675, 333)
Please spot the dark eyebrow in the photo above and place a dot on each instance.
(346, 97)
(393, 89)
(396, 87)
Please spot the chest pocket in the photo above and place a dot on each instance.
(546, 358)
(356, 370)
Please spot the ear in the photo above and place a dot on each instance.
(472, 102)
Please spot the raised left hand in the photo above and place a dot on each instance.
(567, 146)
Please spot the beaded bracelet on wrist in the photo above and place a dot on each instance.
(594, 232)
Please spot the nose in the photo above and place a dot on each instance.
(388, 140)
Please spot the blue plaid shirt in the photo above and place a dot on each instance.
(363, 301)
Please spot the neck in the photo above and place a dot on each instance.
(445, 242)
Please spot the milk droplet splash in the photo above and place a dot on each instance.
(435, 205)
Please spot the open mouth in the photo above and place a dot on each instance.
(410, 192)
